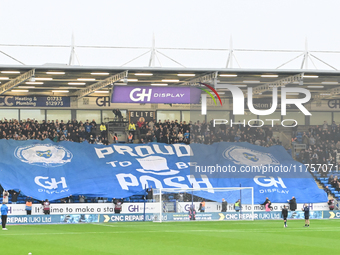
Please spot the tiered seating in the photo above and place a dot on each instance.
(299, 137)
(324, 183)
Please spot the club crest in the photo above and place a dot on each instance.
(46, 155)
(243, 156)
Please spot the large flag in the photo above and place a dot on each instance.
(44, 169)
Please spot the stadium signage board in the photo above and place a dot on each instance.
(84, 208)
(333, 103)
(105, 218)
(34, 101)
(143, 116)
(51, 219)
(156, 95)
(103, 101)
(138, 208)
(240, 216)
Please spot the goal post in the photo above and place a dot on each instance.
(203, 204)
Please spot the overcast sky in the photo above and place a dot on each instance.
(266, 24)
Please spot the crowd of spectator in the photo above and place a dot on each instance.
(334, 182)
(322, 141)
(166, 131)
(201, 132)
(75, 131)
(322, 145)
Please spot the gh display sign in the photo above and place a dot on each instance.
(156, 95)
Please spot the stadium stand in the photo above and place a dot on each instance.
(322, 144)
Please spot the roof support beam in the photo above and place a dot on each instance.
(13, 83)
(279, 83)
(101, 84)
(328, 93)
(201, 79)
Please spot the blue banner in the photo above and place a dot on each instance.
(43, 169)
(34, 101)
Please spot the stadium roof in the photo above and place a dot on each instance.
(66, 80)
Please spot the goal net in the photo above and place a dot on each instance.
(203, 204)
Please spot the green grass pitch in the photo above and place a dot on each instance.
(211, 238)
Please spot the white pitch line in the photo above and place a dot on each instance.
(146, 223)
(188, 223)
(180, 231)
(105, 225)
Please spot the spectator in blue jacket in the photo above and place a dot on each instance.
(4, 211)
(88, 129)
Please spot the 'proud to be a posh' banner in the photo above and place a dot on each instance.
(44, 169)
